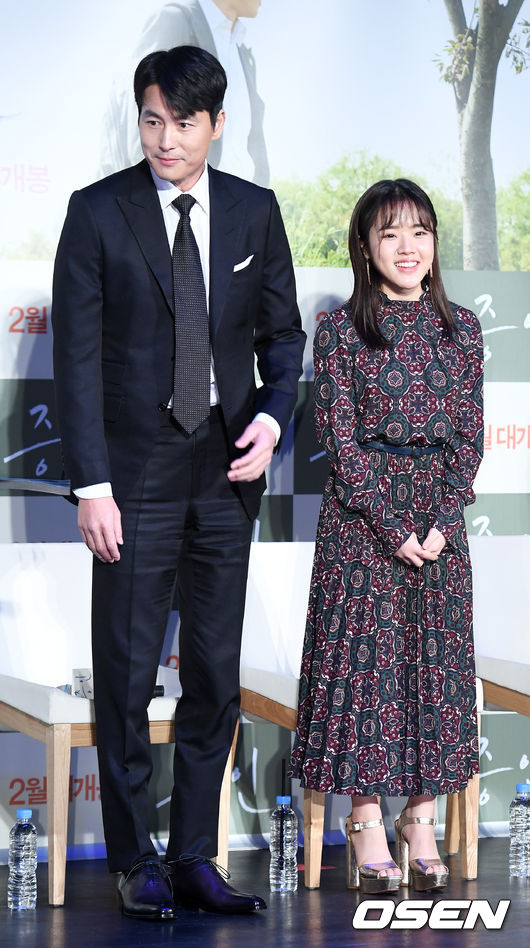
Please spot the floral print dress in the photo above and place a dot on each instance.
(387, 687)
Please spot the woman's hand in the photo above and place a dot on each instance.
(414, 554)
(434, 541)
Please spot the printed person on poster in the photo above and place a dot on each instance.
(214, 25)
(170, 278)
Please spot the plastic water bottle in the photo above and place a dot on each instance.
(22, 880)
(283, 873)
(520, 831)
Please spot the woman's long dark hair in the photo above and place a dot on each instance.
(383, 200)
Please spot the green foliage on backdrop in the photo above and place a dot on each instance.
(317, 214)
(513, 215)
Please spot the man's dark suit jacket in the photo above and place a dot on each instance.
(113, 322)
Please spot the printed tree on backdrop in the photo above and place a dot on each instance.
(474, 56)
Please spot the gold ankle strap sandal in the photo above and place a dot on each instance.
(422, 880)
(367, 877)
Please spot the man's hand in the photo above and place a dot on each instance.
(99, 521)
(252, 464)
(413, 554)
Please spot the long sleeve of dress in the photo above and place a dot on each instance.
(463, 450)
(355, 481)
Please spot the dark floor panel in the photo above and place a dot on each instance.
(306, 919)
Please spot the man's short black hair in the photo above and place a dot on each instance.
(190, 80)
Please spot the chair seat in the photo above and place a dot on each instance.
(512, 675)
(53, 706)
(273, 685)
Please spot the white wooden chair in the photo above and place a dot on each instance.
(44, 633)
(461, 815)
(501, 567)
(273, 635)
(501, 571)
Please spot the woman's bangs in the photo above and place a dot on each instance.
(394, 209)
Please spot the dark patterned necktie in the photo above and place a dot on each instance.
(191, 381)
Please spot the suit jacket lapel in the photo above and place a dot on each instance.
(141, 208)
(227, 219)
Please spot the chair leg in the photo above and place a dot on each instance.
(224, 804)
(452, 828)
(468, 804)
(468, 799)
(58, 737)
(314, 803)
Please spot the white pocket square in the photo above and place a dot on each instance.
(243, 264)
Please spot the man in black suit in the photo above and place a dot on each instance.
(163, 500)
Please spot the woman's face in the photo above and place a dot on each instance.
(402, 253)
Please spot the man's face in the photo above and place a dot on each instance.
(175, 148)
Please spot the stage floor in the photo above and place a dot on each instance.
(305, 919)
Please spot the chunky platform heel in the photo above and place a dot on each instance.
(367, 877)
(422, 880)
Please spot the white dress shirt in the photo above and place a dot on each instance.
(200, 225)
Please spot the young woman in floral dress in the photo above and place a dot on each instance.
(387, 686)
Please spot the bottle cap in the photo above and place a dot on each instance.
(523, 787)
(24, 814)
(280, 800)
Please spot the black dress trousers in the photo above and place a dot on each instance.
(183, 524)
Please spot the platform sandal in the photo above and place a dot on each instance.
(422, 880)
(367, 877)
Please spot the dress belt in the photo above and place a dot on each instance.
(412, 450)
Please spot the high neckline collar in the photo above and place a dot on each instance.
(410, 306)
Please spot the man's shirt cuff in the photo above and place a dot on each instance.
(271, 422)
(93, 491)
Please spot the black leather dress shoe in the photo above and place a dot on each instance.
(198, 883)
(145, 892)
